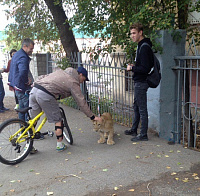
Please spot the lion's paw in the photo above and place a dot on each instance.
(110, 142)
(101, 141)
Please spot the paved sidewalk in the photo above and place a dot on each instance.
(88, 168)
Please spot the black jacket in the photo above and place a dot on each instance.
(144, 61)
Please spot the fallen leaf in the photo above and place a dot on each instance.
(12, 181)
(69, 153)
(171, 151)
(116, 188)
(181, 167)
(168, 167)
(49, 193)
(105, 170)
(118, 134)
(66, 159)
(158, 145)
(177, 178)
(158, 155)
(194, 174)
(185, 180)
(31, 170)
(178, 151)
(137, 157)
(37, 173)
(151, 153)
(1, 185)
(131, 190)
(178, 163)
(12, 190)
(166, 155)
(173, 173)
(196, 178)
(134, 143)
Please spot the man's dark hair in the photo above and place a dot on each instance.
(13, 50)
(27, 42)
(138, 26)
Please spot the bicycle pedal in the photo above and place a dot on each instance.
(50, 133)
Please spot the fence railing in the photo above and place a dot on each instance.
(110, 88)
(188, 100)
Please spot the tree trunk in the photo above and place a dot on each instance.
(182, 13)
(66, 35)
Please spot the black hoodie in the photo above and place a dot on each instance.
(144, 61)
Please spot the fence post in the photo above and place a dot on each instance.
(162, 100)
(83, 85)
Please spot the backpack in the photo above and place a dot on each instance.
(154, 76)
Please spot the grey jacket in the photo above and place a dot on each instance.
(65, 83)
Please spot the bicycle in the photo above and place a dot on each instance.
(17, 136)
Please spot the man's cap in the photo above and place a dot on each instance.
(84, 72)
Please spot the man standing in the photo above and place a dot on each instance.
(2, 93)
(18, 77)
(143, 64)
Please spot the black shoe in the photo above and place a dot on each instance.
(2, 111)
(140, 138)
(33, 150)
(130, 132)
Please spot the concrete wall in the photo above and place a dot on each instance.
(162, 100)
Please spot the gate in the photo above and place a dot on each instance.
(188, 101)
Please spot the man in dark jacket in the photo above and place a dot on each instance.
(143, 65)
(19, 71)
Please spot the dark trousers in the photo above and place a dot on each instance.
(140, 107)
(2, 94)
(23, 103)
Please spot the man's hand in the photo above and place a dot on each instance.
(97, 118)
(129, 67)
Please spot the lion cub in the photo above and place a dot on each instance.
(105, 128)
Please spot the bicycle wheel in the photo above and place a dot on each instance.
(12, 153)
(66, 130)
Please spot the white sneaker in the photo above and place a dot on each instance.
(16, 107)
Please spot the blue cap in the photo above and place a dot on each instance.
(84, 72)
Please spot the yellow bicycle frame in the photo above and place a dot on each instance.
(23, 133)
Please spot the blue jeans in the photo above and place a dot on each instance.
(2, 94)
(23, 103)
(140, 107)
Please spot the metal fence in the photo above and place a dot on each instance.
(110, 88)
(188, 100)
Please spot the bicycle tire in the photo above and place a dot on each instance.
(10, 152)
(66, 130)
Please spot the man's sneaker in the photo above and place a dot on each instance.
(130, 132)
(140, 138)
(60, 149)
(16, 107)
(33, 150)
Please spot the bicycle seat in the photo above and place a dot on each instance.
(24, 110)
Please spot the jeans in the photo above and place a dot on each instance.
(140, 107)
(2, 94)
(23, 103)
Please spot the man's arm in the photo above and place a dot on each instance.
(23, 66)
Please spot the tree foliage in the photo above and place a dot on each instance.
(112, 18)
(107, 19)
